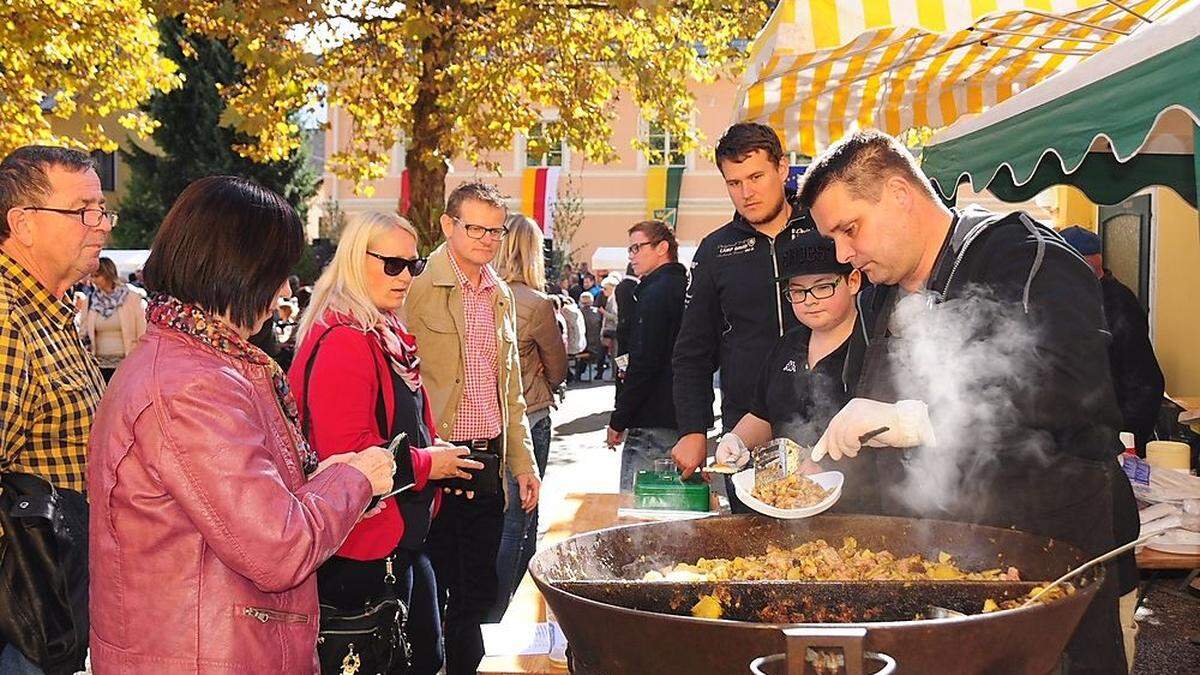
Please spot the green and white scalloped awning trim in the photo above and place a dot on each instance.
(1121, 121)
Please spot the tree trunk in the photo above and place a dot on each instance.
(427, 190)
(429, 149)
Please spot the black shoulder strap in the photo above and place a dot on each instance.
(380, 406)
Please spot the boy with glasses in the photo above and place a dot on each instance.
(464, 318)
(804, 382)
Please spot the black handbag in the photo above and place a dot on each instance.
(368, 642)
(43, 572)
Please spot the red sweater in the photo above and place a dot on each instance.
(345, 381)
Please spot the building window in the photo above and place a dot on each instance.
(106, 168)
(544, 146)
(663, 149)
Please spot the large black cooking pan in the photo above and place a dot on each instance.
(617, 624)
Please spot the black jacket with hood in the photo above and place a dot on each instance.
(1068, 397)
(735, 314)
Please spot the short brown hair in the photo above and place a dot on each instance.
(24, 180)
(656, 231)
(227, 244)
(480, 192)
(863, 161)
(744, 138)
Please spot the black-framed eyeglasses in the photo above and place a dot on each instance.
(479, 231)
(90, 216)
(393, 266)
(637, 246)
(797, 294)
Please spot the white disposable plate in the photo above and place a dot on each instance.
(743, 483)
(1180, 542)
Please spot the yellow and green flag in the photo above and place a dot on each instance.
(662, 193)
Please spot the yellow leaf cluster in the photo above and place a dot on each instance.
(450, 78)
(458, 78)
(93, 60)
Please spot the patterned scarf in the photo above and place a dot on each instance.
(170, 313)
(400, 346)
(105, 304)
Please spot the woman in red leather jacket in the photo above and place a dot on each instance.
(209, 512)
(362, 388)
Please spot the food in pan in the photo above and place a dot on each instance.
(819, 561)
(1056, 593)
(794, 492)
(709, 607)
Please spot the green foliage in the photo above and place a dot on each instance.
(93, 61)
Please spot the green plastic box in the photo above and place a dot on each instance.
(652, 490)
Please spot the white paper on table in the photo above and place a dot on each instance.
(1152, 513)
(515, 639)
(661, 515)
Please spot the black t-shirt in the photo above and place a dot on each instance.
(797, 401)
(416, 508)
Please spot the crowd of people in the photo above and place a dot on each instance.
(352, 481)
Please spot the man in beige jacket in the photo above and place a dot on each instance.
(464, 318)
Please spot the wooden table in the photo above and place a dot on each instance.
(1149, 559)
(578, 513)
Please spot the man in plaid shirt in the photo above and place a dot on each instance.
(465, 321)
(53, 228)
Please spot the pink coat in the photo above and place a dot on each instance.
(204, 532)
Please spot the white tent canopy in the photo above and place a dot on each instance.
(127, 260)
(615, 258)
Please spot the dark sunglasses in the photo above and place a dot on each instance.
(393, 266)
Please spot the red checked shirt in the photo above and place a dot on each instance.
(479, 411)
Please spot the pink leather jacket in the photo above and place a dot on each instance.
(204, 531)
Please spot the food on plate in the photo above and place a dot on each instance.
(793, 492)
(718, 467)
(819, 561)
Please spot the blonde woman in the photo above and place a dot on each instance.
(358, 382)
(543, 368)
(115, 319)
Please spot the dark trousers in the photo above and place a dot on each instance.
(463, 543)
(353, 584)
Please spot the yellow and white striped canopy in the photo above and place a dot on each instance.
(821, 68)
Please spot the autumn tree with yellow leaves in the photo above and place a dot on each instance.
(448, 78)
(459, 78)
(95, 61)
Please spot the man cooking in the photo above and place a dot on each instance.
(999, 302)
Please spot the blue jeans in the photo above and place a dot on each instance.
(13, 662)
(519, 539)
(642, 446)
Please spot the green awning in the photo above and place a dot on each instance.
(1123, 120)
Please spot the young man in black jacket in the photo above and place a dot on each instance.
(735, 310)
(986, 363)
(644, 417)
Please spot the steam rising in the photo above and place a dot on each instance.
(972, 360)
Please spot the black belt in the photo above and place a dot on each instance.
(491, 445)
